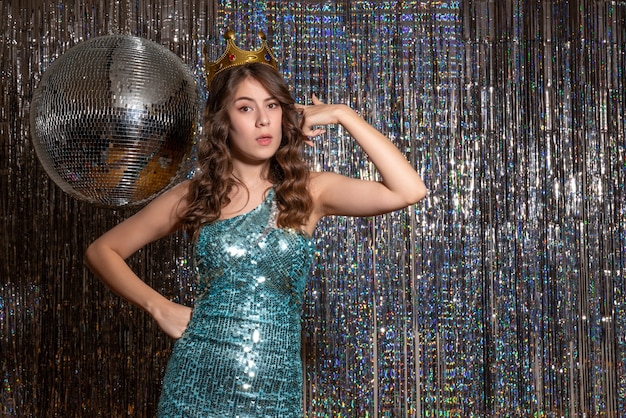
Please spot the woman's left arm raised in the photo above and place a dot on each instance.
(335, 194)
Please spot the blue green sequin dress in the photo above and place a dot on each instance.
(240, 355)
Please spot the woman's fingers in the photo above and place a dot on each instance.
(315, 100)
(311, 114)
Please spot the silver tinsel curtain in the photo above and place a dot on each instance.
(501, 294)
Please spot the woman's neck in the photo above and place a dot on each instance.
(251, 175)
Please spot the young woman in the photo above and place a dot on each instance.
(251, 209)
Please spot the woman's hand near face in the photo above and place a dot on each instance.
(319, 114)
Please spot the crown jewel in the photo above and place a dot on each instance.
(234, 56)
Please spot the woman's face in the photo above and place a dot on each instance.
(255, 123)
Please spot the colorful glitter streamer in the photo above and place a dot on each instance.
(501, 294)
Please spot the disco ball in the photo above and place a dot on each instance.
(113, 120)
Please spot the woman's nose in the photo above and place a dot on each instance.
(263, 119)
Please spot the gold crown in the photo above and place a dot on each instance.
(234, 56)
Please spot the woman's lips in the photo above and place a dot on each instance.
(264, 140)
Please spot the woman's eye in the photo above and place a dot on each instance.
(245, 108)
(273, 105)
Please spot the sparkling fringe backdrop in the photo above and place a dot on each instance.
(501, 294)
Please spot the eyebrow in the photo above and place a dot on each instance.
(251, 99)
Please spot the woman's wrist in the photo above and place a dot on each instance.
(343, 113)
(157, 306)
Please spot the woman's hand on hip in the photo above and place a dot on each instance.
(173, 318)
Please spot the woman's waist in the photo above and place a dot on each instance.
(243, 325)
(258, 290)
(246, 310)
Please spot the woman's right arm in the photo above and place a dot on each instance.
(106, 258)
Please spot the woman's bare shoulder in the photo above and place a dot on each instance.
(172, 201)
(181, 189)
(180, 194)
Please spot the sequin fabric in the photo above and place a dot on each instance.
(240, 355)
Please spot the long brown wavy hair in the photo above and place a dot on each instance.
(210, 187)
